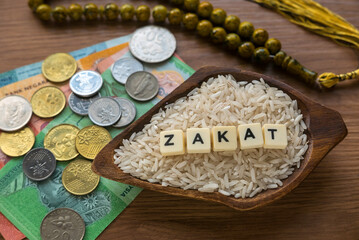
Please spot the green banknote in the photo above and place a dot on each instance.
(25, 202)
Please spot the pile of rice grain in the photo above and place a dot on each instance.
(219, 102)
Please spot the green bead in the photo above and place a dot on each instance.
(159, 14)
(101, 11)
(273, 45)
(204, 9)
(175, 16)
(260, 55)
(232, 41)
(204, 28)
(143, 13)
(231, 23)
(111, 11)
(218, 35)
(279, 58)
(190, 21)
(59, 14)
(127, 12)
(177, 2)
(246, 30)
(218, 16)
(90, 11)
(191, 5)
(259, 37)
(246, 49)
(43, 11)
(33, 4)
(75, 11)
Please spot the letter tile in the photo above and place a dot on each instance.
(224, 138)
(198, 140)
(250, 136)
(172, 143)
(275, 136)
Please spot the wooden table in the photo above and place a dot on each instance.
(324, 206)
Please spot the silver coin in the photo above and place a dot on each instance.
(86, 83)
(105, 111)
(128, 110)
(80, 105)
(39, 164)
(152, 44)
(62, 223)
(124, 67)
(142, 86)
(15, 112)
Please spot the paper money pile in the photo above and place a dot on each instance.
(49, 186)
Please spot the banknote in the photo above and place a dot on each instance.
(34, 80)
(25, 202)
(34, 69)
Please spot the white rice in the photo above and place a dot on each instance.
(219, 102)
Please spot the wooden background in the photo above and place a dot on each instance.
(324, 206)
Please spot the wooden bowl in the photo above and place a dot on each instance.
(325, 130)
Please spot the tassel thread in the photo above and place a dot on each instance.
(320, 20)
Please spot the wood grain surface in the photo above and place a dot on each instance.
(324, 206)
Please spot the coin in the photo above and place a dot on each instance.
(59, 67)
(80, 105)
(152, 44)
(48, 101)
(91, 139)
(62, 223)
(86, 83)
(142, 86)
(128, 110)
(124, 67)
(60, 140)
(78, 178)
(39, 164)
(105, 111)
(15, 112)
(17, 143)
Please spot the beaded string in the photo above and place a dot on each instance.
(241, 37)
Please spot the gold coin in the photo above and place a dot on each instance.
(78, 177)
(15, 144)
(91, 139)
(60, 140)
(59, 67)
(48, 101)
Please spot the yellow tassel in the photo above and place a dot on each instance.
(328, 80)
(313, 16)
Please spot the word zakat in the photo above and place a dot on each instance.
(223, 138)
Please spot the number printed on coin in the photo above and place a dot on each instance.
(59, 67)
(142, 86)
(15, 144)
(152, 44)
(80, 105)
(15, 111)
(128, 110)
(48, 102)
(124, 67)
(105, 111)
(62, 223)
(91, 139)
(78, 177)
(86, 83)
(39, 164)
(60, 140)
